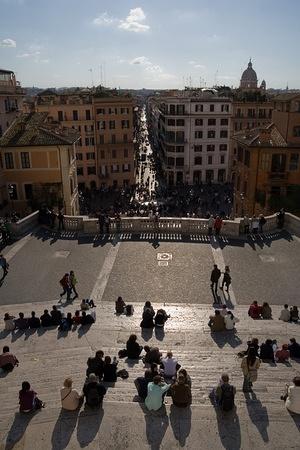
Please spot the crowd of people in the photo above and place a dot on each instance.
(264, 311)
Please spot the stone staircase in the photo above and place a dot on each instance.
(47, 357)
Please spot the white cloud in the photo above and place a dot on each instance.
(197, 65)
(7, 43)
(133, 21)
(104, 19)
(29, 54)
(153, 71)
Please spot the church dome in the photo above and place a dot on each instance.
(249, 78)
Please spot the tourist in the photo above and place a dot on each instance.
(170, 365)
(86, 319)
(216, 322)
(283, 355)
(4, 264)
(210, 224)
(254, 344)
(73, 282)
(28, 399)
(77, 318)
(91, 303)
(218, 225)
(294, 314)
(156, 389)
(285, 314)
(133, 348)
(93, 391)
(246, 225)
(225, 393)
(266, 311)
(110, 369)
(154, 370)
(292, 396)
(9, 323)
(294, 348)
(148, 314)
(149, 307)
(70, 398)
(141, 384)
(181, 392)
(84, 305)
(267, 351)
(226, 279)
(120, 305)
(8, 360)
(261, 223)
(254, 224)
(60, 216)
(214, 278)
(230, 321)
(21, 323)
(250, 365)
(96, 364)
(280, 218)
(65, 283)
(160, 318)
(46, 319)
(33, 321)
(187, 378)
(56, 315)
(254, 310)
(153, 355)
(223, 310)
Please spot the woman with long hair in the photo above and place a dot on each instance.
(250, 365)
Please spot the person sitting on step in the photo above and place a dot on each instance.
(120, 305)
(8, 360)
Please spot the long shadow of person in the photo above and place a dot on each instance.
(147, 333)
(157, 423)
(180, 420)
(258, 414)
(83, 329)
(229, 428)
(17, 429)
(63, 429)
(159, 333)
(89, 422)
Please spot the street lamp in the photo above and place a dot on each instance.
(242, 201)
(11, 193)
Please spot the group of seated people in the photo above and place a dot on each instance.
(150, 319)
(222, 320)
(269, 351)
(264, 311)
(55, 318)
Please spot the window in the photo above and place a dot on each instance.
(211, 108)
(170, 161)
(198, 122)
(278, 162)
(294, 161)
(209, 159)
(87, 114)
(171, 122)
(80, 171)
(79, 156)
(25, 161)
(100, 111)
(114, 153)
(75, 115)
(87, 142)
(180, 122)
(224, 121)
(112, 124)
(115, 168)
(124, 110)
(60, 116)
(223, 134)
(247, 158)
(265, 161)
(125, 123)
(198, 108)
(90, 155)
(125, 152)
(126, 167)
(28, 191)
(113, 138)
(211, 122)
(224, 108)
(91, 170)
(179, 148)
(101, 139)
(179, 109)
(211, 134)
(179, 162)
(198, 134)
(102, 154)
(125, 138)
(198, 161)
(197, 148)
(222, 159)
(9, 160)
(112, 111)
(210, 148)
(101, 125)
(223, 147)
(296, 131)
(172, 109)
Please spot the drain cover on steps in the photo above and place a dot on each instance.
(61, 254)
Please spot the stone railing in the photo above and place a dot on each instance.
(164, 225)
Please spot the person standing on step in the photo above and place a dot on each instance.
(73, 282)
(65, 283)
(214, 278)
(226, 279)
(60, 216)
(250, 365)
(210, 224)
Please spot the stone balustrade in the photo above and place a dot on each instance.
(169, 225)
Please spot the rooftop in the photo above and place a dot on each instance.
(268, 136)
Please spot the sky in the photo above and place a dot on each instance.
(150, 43)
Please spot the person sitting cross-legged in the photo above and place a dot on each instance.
(8, 360)
(216, 322)
(292, 396)
(160, 318)
(70, 398)
(266, 311)
(9, 323)
(93, 391)
(141, 384)
(155, 391)
(120, 305)
(28, 399)
(266, 351)
(181, 392)
(170, 365)
(285, 314)
(133, 348)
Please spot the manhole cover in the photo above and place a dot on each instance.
(267, 258)
(61, 254)
(164, 256)
(163, 263)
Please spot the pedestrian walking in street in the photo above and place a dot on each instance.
(61, 225)
(250, 365)
(214, 278)
(218, 225)
(226, 279)
(4, 264)
(73, 282)
(65, 283)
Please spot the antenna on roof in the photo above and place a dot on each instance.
(91, 70)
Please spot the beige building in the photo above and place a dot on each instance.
(38, 160)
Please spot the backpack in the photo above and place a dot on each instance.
(227, 398)
(93, 397)
(129, 310)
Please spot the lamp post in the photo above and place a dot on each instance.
(11, 193)
(242, 202)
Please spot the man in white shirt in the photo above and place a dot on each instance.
(170, 365)
(285, 314)
(292, 401)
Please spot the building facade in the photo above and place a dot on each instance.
(38, 161)
(191, 131)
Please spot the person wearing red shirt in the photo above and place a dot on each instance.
(218, 225)
(254, 310)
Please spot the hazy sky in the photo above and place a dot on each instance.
(154, 43)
